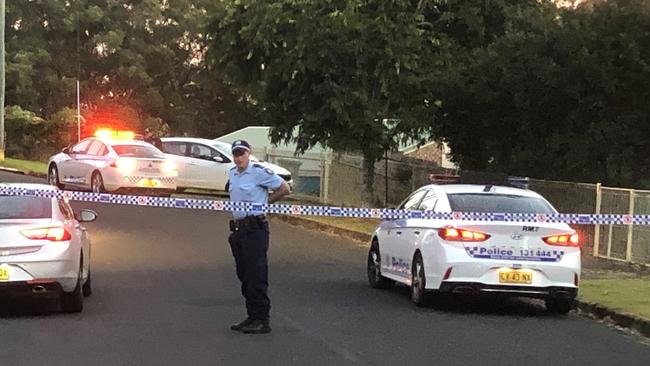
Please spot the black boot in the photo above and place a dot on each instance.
(257, 327)
(238, 327)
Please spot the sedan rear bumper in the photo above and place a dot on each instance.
(524, 291)
(41, 289)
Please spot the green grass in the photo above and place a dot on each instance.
(25, 165)
(631, 295)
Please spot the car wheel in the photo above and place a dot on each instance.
(418, 281)
(53, 177)
(559, 305)
(97, 183)
(73, 302)
(87, 288)
(374, 269)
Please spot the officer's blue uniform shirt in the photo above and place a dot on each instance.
(252, 185)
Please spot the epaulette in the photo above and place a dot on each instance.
(267, 170)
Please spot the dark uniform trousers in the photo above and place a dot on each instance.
(249, 241)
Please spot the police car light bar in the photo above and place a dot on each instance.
(519, 182)
(493, 179)
(107, 135)
(443, 178)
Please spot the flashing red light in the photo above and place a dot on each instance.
(52, 233)
(107, 135)
(565, 240)
(456, 234)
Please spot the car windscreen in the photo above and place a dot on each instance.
(138, 151)
(22, 207)
(500, 203)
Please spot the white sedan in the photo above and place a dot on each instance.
(204, 164)
(113, 164)
(517, 258)
(44, 249)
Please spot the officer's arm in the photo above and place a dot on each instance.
(282, 191)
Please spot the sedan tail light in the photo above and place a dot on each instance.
(565, 240)
(125, 166)
(53, 233)
(456, 234)
(169, 167)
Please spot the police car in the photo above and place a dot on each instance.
(539, 259)
(113, 161)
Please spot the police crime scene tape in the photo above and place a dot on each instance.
(311, 210)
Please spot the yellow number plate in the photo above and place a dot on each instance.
(4, 274)
(149, 183)
(515, 276)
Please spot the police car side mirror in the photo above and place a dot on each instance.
(218, 159)
(66, 150)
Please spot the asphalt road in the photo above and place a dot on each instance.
(165, 293)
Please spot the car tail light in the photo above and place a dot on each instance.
(125, 166)
(456, 234)
(565, 240)
(169, 167)
(53, 233)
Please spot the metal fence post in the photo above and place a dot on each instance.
(630, 230)
(599, 201)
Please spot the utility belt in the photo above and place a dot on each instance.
(256, 222)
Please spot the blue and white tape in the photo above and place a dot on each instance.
(309, 210)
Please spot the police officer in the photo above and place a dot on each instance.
(249, 238)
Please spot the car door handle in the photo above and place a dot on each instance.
(398, 232)
(417, 233)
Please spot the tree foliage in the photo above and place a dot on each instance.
(339, 71)
(145, 56)
(561, 96)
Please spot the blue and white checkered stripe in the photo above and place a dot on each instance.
(314, 210)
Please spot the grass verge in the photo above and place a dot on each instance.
(366, 226)
(25, 165)
(630, 295)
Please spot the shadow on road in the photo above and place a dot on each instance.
(485, 304)
(24, 307)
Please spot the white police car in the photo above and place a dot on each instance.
(518, 258)
(114, 162)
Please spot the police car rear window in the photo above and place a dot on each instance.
(20, 207)
(138, 151)
(501, 203)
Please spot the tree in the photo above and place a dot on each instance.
(144, 55)
(563, 97)
(337, 71)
